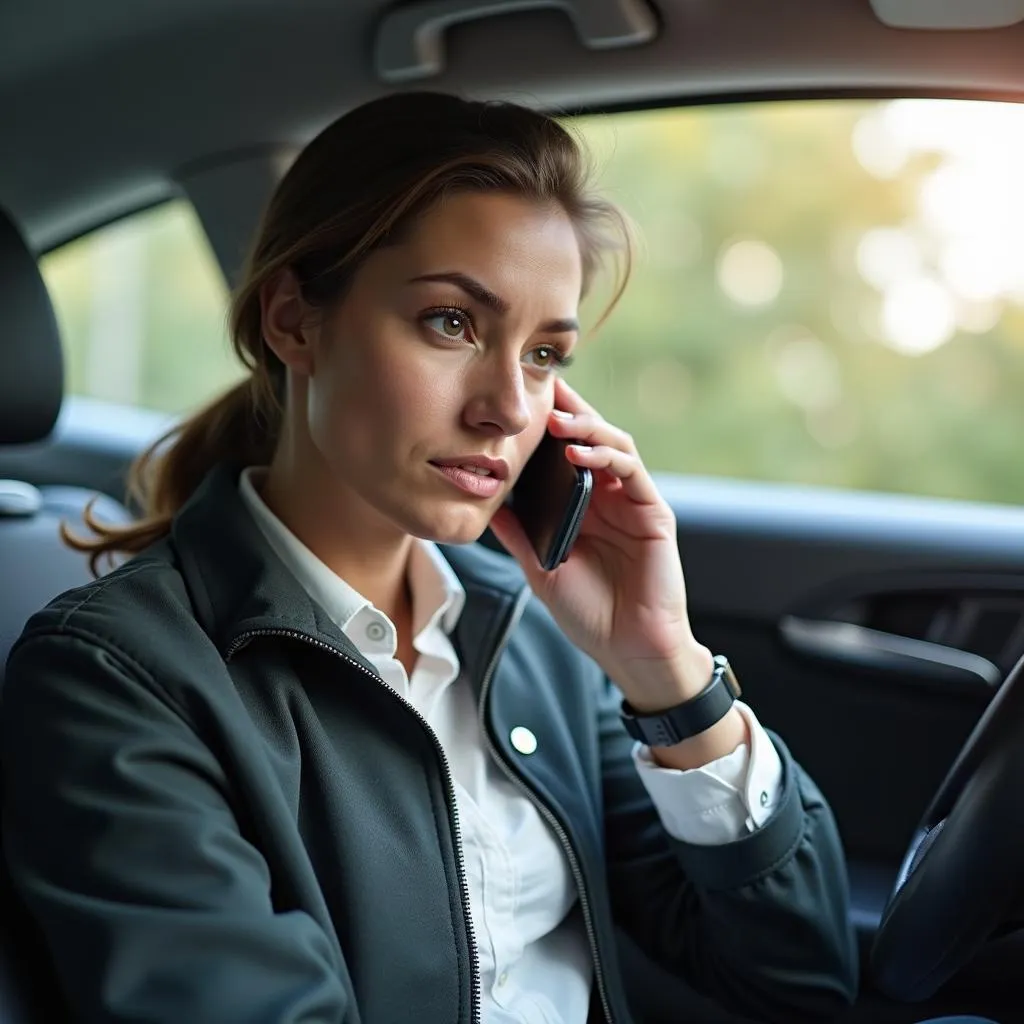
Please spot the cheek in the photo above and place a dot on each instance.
(423, 384)
(418, 391)
(384, 394)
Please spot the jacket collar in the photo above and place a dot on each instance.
(438, 596)
(240, 586)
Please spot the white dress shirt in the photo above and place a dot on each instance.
(535, 964)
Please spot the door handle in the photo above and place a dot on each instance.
(410, 38)
(861, 647)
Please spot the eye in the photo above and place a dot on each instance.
(449, 323)
(548, 357)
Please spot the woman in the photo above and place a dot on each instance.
(295, 762)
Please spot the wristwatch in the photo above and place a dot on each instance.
(693, 716)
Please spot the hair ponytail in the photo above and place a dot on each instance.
(236, 427)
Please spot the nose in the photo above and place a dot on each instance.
(499, 402)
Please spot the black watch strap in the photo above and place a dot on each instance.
(693, 716)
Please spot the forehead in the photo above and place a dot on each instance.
(526, 252)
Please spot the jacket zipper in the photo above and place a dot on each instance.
(545, 811)
(453, 809)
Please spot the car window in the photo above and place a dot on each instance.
(141, 305)
(829, 292)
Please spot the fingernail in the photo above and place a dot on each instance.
(562, 414)
(583, 447)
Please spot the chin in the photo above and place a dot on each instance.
(462, 524)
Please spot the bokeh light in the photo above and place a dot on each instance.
(959, 256)
(750, 273)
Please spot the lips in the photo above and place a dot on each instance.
(477, 475)
(481, 465)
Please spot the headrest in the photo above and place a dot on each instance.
(31, 360)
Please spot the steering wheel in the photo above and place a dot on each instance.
(961, 879)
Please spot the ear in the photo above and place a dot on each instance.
(286, 321)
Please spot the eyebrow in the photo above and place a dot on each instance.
(472, 287)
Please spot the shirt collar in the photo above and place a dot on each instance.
(438, 595)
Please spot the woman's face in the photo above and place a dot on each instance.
(431, 383)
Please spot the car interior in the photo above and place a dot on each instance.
(877, 632)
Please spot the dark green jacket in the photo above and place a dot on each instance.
(217, 812)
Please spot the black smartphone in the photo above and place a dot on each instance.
(550, 499)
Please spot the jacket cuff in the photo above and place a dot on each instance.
(744, 861)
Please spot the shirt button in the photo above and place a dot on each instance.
(523, 740)
(375, 631)
(764, 798)
(502, 978)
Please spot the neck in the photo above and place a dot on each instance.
(371, 556)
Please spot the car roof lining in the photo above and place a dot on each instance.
(102, 104)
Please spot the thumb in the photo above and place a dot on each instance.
(510, 533)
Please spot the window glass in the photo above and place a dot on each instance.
(828, 292)
(142, 306)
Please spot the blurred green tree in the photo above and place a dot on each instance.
(800, 386)
(755, 339)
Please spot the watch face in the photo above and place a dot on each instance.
(728, 675)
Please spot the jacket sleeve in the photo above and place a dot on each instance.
(760, 924)
(121, 841)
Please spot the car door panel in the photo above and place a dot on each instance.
(870, 631)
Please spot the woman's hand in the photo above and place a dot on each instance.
(620, 596)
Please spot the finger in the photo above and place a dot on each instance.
(604, 481)
(591, 430)
(636, 481)
(510, 533)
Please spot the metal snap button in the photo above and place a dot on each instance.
(523, 740)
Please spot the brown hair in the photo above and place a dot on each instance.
(354, 188)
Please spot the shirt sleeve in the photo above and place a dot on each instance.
(721, 801)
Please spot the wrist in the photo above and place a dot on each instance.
(718, 741)
(664, 684)
(695, 729)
